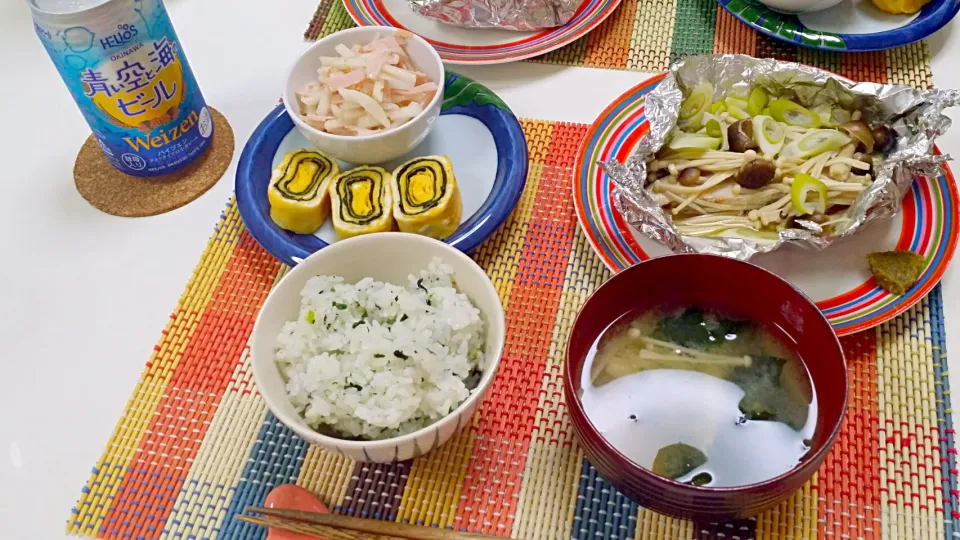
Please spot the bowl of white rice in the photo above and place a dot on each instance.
(379, 347)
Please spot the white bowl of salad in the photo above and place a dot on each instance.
(366, 95)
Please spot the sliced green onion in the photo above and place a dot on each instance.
(697, 103)
(737, 102)
(788, 112)
(814, 143)
(683, 141)
(746, 232)
(757, 101)
(767, 236)
(736, 112)
(802, 185)
(840, 116)
(714, 128)
(769, 134)
(310, 318)
(718, 107)
(823, 111)
(765, 111)
(831, 116)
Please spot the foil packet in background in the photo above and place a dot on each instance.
(915, 115)
(523, 15)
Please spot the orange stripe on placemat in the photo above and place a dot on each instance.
(145, 498)
(608, 46)
(732, 36)
(848, 480)
(495, 472)
(864, 66)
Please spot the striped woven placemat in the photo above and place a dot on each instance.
(648, 35)
(195, 444)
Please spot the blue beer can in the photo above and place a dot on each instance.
(124, 66)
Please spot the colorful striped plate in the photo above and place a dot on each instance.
(458, 45)
(476, 130)
(837, 279)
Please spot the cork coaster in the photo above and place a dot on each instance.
(119, 194)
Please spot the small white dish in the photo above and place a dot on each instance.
(379, 147)
(355, 259)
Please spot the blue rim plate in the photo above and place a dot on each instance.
(462, 96)
(790, 29)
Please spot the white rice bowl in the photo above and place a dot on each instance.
(376, 360)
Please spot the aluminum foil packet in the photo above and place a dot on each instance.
(915, 115)
(509, 14)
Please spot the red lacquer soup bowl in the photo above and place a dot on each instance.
(727, 286)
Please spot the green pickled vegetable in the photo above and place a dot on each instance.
(896, 271)
(682, 141)
(802, 185)
(697, 103)
(792, 114)
(814, 143)
(677, 460)
(769, 134)
(757, 101)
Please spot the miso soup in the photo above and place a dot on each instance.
(700, 397)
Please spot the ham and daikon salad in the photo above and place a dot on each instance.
(366, 88)
(749, 165)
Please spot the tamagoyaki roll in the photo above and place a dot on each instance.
(362, 201)
(426, 197)
(299, 191)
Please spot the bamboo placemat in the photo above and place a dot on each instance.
(648, 35)
(195, 444)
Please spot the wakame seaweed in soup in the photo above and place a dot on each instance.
(700, 397)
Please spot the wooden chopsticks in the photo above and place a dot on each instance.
(336, 527)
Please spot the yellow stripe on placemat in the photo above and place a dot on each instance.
(654, 526)
(652, 36)
(120, 449)
(909, 452)
(433, 484)
(910, 65)
(327, 475)
(793, 519)
(221, 459)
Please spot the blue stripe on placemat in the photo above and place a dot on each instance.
(602, 511)
(941, 384)
(275, 459)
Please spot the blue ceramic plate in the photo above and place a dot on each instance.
(852, 25)
(476, 130)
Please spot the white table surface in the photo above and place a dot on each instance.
(84, 295)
